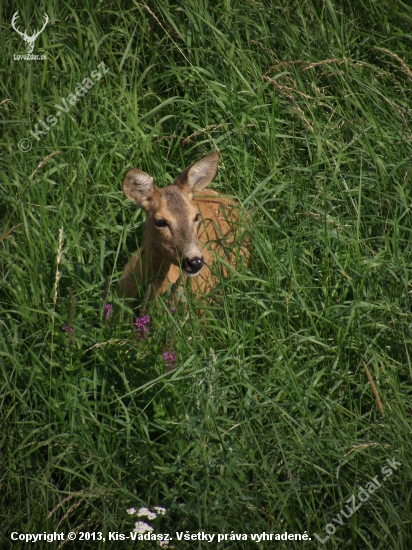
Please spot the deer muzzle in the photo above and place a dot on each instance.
(192, 266)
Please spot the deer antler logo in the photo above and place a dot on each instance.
(30, 40)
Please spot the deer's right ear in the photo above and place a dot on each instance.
(137, 186)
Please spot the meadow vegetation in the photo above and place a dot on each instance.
(294, 387)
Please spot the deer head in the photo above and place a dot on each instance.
(172, 219)
(30, 40)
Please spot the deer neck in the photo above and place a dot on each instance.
(155, 267)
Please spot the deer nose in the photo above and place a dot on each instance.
(192, 265)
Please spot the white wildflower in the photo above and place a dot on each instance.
(163, 542)
(131, 511)
(160, 510)
(145, 512)
(142, 527)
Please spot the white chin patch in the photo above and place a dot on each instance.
(189, 274)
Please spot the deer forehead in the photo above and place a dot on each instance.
(174, 206)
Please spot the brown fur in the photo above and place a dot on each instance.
(159, 258)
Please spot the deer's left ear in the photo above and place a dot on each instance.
(197, 176)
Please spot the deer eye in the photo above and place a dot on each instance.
(161, 223)
(197, 218)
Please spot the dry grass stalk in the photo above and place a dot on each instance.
(59, 254)
(282, 89)
(374, 390)
(400, 61)
(7, 233)
(360, 446)
(207, 128)
(112, 341)
(308, 64)
(43, 162)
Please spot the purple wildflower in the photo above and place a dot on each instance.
(169, 358)
(172, 309)
(67, 329)
(107, 310)
(141, 323)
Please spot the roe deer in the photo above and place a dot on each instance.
(185, 228)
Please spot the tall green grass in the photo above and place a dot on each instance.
(269, 421)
